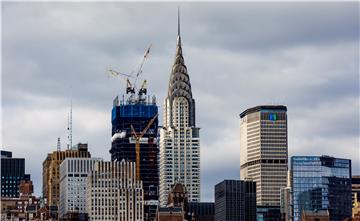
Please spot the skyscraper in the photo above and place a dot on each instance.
(51, 171)
(235, 200)
(138, 113)
(321, 183)
(179, 137)
(202, 211)
(73, 174)
(114, 193)
(12, 172)
(264, 151)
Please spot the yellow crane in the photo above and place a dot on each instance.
(137, 144)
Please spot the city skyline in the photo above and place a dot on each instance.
(308, 62)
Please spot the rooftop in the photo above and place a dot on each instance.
(263, 107)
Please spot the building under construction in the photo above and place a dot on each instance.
(134, 138)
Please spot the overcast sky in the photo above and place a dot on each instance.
(238, 55)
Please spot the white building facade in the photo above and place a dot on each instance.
(264, 151)
(113, 193)
(179, 137)
(73, 174)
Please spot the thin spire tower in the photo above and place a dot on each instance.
(69, 128)
(58, 144)
(179, 37)
(179, 21)
(185, 158)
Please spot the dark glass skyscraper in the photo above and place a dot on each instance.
(12, 172)
(138, 113)
(321, 182)
(202, 211)
(235, 200)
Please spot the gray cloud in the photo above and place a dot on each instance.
(303, 55)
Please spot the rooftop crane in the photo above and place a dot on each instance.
(135, 73)
(137, 144)
(129, 86)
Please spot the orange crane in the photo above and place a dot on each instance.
(137, 144)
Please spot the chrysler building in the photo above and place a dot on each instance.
(179, 137)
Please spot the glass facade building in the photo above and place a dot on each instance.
(235, 200)
(321, 182)
(12, 172)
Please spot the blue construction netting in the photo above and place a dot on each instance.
(134, 110)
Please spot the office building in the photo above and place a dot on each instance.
(73, 174)
(268, 213)
(179, 137)
(114, 193)
(201, 211)
(12, 172)
(321, 183)
(285, 204)
(23, 207)
(356, 209)
(235, 200)
(51, 171)
(138, 113)
(286, 200)
(355, 188)
(264, 151)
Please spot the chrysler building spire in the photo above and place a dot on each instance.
(179, 37)
(179, 138)
(179, 82)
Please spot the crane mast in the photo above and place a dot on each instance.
(137, 144)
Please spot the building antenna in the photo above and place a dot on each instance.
(58, 144)
(178, 20)
(69, 128)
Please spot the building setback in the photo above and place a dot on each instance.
(113, 193)
(51, 171)
(179, 137)
(264, 151)
(235, 200)
(73, 174)
(321, 183)
(12, 172)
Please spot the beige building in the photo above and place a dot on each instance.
(264, 151)
(355, 188)
(51, 171)
(113, 193)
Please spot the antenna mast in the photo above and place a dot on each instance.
(69, 128)
(58, 144)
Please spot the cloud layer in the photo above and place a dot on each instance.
(302, 55)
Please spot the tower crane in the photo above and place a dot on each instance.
(138, 136)
(129, 87)
(135, 73)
